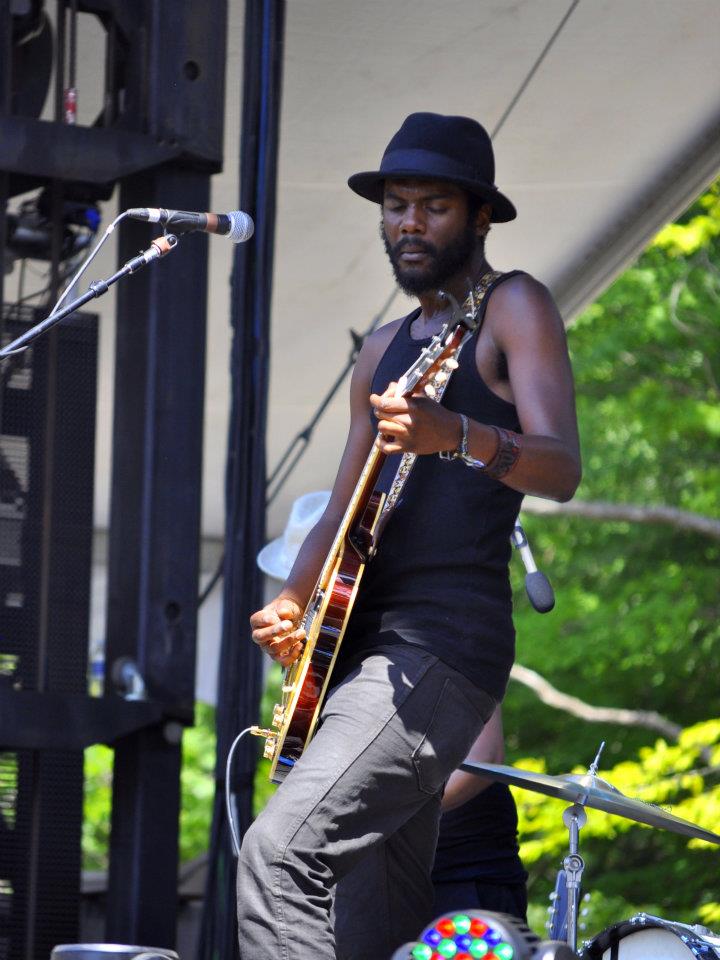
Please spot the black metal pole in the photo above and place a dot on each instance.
(240, 672)
(153, 562)
(5, 63)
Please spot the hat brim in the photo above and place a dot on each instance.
(371, 186)
(271, 560)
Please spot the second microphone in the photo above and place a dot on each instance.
(236, 225)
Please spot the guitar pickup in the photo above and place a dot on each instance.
(362, 544)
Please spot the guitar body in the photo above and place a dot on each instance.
(326, 618)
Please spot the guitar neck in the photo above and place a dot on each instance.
(360, 496)
(449, 345)
(368, 477)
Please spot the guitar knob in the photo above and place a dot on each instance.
(269, 751)
(278, 717)
(430, 391)
(451, 364)
(440, 376)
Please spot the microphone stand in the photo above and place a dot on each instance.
(158, 248)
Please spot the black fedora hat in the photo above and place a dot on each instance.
(431, 146)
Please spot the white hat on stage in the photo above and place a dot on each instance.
(277, 557)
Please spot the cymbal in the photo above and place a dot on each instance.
(590, 791)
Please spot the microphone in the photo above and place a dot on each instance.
(236, 225)
(538, 587)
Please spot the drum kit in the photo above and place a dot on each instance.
(642, 937)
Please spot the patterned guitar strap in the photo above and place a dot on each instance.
(407, 462)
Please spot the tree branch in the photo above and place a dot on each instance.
(553, 697)
(710, 375)
(599, 510)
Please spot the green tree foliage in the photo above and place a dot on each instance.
(97, 807)
(197, 791)
(636, 623)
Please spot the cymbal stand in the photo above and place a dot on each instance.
(574, 818)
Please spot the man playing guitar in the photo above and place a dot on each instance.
(428, 649)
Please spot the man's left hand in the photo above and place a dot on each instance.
(414, 424)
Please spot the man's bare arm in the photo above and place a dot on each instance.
(276, 626)
(527, 329)
(488, 748)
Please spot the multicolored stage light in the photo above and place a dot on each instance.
(462, 937)
(471, 935)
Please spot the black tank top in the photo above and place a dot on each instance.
(478, 841)
(440, 576)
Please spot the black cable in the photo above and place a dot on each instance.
(72, 54)
(533, 70)
(212, 581)
(240, 678)
(305, 435)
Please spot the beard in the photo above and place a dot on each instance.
(444, 263)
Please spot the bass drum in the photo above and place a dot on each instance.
(644, 937)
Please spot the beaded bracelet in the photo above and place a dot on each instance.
(461, 452)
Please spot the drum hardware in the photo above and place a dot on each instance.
(644, 937)
(587, 790)
(574, 818)
(556, 923)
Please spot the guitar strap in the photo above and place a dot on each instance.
(407, 461)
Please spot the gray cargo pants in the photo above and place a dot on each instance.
(360, 809)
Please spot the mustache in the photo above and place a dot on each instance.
(416, 245)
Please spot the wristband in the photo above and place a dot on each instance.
(507, 453)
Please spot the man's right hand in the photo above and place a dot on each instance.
(275, 629)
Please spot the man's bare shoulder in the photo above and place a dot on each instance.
(378, 341)
(520, 292)
(373, 348)
(520, 303)
(381, 337)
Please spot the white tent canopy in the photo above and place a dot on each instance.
(606, 116)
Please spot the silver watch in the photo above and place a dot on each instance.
(461, 451)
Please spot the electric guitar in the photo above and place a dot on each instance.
(326, 615)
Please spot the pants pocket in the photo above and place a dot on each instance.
(455, 723)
